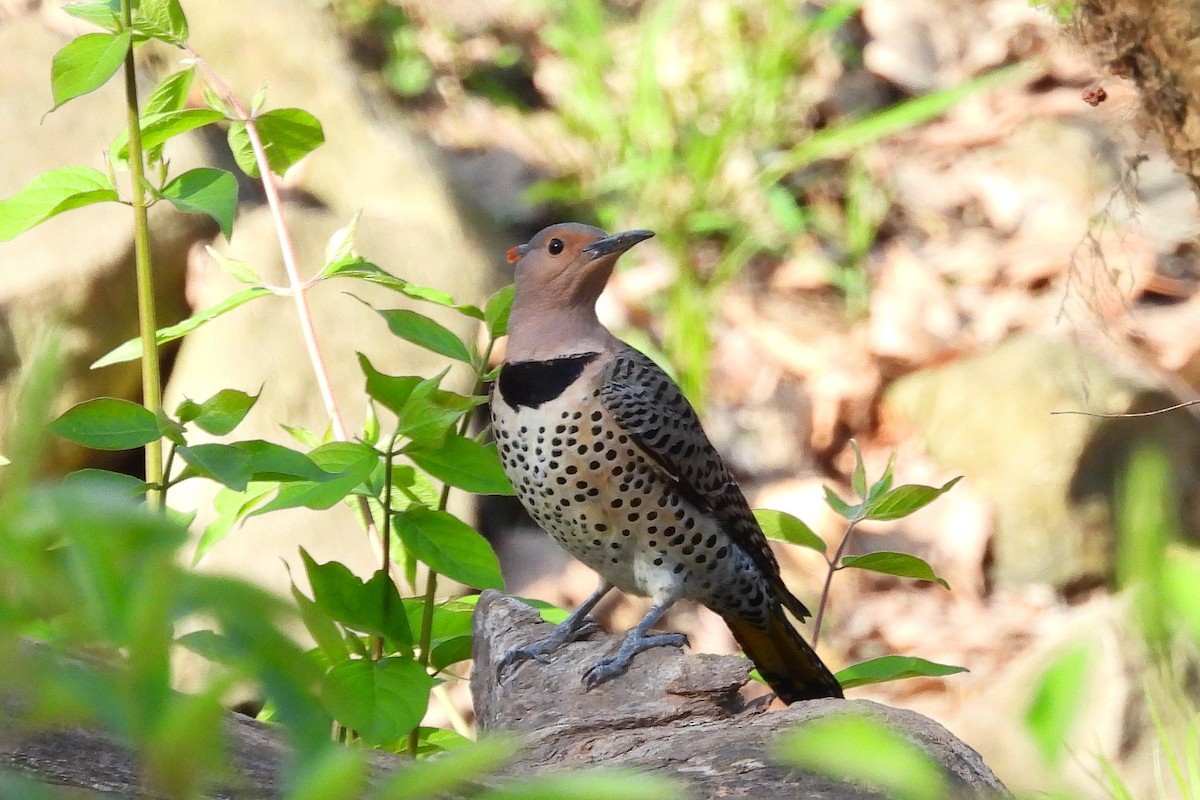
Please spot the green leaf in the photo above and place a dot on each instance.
(901, 564)
(157, 129)
(231, 507)
(432, 778)
(287, 134)
(224, 463)
(840, 506)
(107, 423)
(379, 700)
(858, 479)
(429, 412)
(1057, 701)
(161, 19)
(589, 784)
(371, 430)
(171, 93)
(860, 749)
(274, 462)
(171, 429)
(904, 500)
(240, 271)
(410, 486)
(786, 528)
(303, 435)
(450, 632)
(340, 246)
(321, 627)
(351, 464)
(132, 349)
(449, 546)
(86, 64)
(373, 607)
(893, 668)
(219, 414)
(115, 484)
(52, 193)
(363, 270)
(206, 191)
(882, 486)
(425, 332)
(259, 99)
(464, 463)
(103, 14)
(495, 313)
(424, 412)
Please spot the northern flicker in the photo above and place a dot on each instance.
(607, 456)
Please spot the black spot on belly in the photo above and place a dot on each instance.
(531, 383)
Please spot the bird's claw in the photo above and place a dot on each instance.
(609, 668)
(540, 651)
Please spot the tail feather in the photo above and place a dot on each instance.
(787, 663)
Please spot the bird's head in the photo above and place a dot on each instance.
(569, 263)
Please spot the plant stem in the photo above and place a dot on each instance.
(414, 736)
(297, 288)
(147, 316)
(833, 567)
(431, 580)
(457, 720)
(386, 557)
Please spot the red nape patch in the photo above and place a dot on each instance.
(514, 253)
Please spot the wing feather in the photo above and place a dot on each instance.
(649, 405)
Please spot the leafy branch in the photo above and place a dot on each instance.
(877, 501)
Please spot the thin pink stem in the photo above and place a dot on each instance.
(833, 567)
(287, 248)
(297, 287)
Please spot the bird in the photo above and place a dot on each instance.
(608, 456)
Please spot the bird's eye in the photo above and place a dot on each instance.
(555, 247)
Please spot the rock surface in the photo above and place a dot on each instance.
(672, 714)
(1051, 478)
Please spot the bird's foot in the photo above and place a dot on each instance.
(540, 650)
(634, 643)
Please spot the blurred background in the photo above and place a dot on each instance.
(932, 226)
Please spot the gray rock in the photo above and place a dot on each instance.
(672, 714)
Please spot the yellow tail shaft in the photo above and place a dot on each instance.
(785, 660)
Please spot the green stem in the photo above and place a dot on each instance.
(414, 737)
(147, 321)
(167, 470)
(386, 557)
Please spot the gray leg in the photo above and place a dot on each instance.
(637, 641)
(571, 629)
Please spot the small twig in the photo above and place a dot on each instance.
(833, 567)
(1129, 414)
(457, 720)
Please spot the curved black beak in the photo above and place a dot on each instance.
(617, 243)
